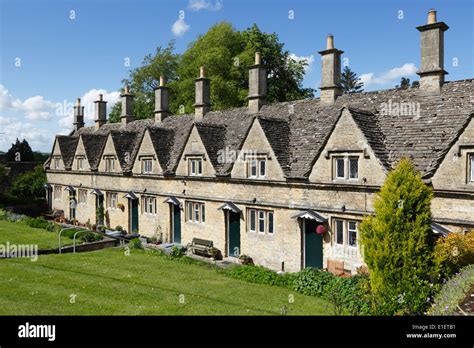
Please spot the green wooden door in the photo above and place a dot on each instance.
(313, 245)
(99, 210)
(134, 215)
(234, 234)
(176, 224)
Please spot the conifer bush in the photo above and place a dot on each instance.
(398, 244)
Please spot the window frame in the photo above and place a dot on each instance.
(80, 162)
(146, 170)
(356, 160)
(345, 232)
(256, 168)
(57, 193)
(336, 167)
(354, 230)
(255, 219)
(82, 196)
(109, 160)
(111, 200)
(470, 171)
(195, 166)
(195, 212)
(252, 215)
(149, 206)
(336, 231)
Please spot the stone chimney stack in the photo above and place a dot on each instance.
(257, 84)
(203, 96)
(161, 101)
(127, 107)
(100, 112)
(78, 115)
(330, 72)
(431, 70)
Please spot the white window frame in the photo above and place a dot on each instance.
(352, 159)
(257, 168)
(111, 200)
(80, 162)
(195, 166)
(109, 164)
(147, 162)
(346, 231)
(336, 167)
(82, 196)
(258, 216)
(149, 205)
(195, 212)
(471, 167)
(57, 162)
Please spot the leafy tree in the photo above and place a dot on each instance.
(415, 84)
(350, 82)
(226, 54)
(24, 150)
(398, 243)
(404, 83)
(29, 186)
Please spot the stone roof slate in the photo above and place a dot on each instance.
(298, 130)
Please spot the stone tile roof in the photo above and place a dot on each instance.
(93, 145)
(125, 143)
(67, 146)
(306, 125)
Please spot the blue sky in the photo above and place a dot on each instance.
(50, 55)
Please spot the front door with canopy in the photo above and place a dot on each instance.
(175, 219)
(232, 215)
(133, 211)
(99, 207)
(312, 242)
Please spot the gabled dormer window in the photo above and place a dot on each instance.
(109, 164)
(80, 163)
(257, 168)
(195, 166)
(147, 166)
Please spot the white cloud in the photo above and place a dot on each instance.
(38, 138)
(198, 5)
(390, 76)
(308, 59)
(87, 101)
(34, 108)
(180, 27)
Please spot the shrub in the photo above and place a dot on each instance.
(454, 252)
(89, 237)
(453, 292)
(398, 243)
(176, 252)
(246, 260)
(215, 253)
(135, 243)
(38, 222)
(260, 275)
(312, 282)
(3, 214)
(119, 228)
(12, 217)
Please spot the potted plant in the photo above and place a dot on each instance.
(245, 260)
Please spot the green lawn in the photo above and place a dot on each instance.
(19, 233)
(108, 282)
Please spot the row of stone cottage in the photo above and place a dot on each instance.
(261, 180)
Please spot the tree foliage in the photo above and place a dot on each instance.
(20, 151)
(226, 55)
(350, 82)
(398, 243)
(29, 186)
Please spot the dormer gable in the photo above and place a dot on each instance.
(109, 162)
(353, 152)
(147, 161)
(257, 158)
(80, 161)
(200, 154)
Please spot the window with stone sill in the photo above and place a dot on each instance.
(345, 232)
(57, 162)
(111, 200)
(109, 164)
(149, 205)
(57, 193)
(346, 168)
(80, 163)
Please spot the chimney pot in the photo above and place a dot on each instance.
(162, 81)
(432, 16)
(330, 42)
(258, 58)
(201, 72)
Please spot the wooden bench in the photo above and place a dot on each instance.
(201, 246)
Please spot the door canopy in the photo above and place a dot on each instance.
(310, 215)
(172, 200)
(131, 195)
(230, 206)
